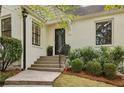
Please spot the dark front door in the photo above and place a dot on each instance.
(59, 39)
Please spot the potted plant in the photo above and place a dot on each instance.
(65, 50)
(49, 50)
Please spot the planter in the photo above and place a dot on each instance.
(50, 51)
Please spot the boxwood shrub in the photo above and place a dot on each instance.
(94, 68)
(76, 65)
(110, 70)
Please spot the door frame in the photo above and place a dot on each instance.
(55, 38)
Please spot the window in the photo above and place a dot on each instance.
(104, 32)
(35, 34)
(6, 27)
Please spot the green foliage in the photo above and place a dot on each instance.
(88, 54)
(76, 53)
(10, 50)
(110, 70)
(117, 55)
(104, 55)
(112, 7)
(94, 68)
(50, 14)
(76, 65)
(85, 54)
(49, 50)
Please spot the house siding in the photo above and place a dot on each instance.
(32, 52)
(83, 32)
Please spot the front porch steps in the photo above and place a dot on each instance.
(46, 69)
(49, 63)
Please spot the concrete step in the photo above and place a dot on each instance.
(56, 56)
(28, 82)
(27, 86)
(47, 65)
(49, 59)
(48, 62)
(46, 69)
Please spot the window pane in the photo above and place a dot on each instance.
(104, 33)
(35, 34)
(6, 27)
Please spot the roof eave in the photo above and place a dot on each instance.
(104, 13)
(32, 13)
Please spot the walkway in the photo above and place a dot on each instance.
(32, 78)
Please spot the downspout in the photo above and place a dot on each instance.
(24, 14)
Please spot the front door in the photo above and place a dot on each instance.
(59, 39)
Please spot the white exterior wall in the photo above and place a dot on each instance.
(84, 31)
(32, 52)
(16, 21)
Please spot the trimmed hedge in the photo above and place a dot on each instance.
(110, 70)
(76, 65)
(94, 68)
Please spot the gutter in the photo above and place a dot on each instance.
(24, 14)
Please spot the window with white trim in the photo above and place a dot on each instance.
(104, 32)
(6, 27)
(35, 34)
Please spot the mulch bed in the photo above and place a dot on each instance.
(9, 73)
(118, 81)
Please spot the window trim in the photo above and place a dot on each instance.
(4, 17)
(39, 35)
(10, 31)
(108, 19)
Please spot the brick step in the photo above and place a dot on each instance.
(46, 69)
(11, 82)
(47, 65)
(47, 62)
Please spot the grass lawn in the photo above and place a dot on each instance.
(7, 74)
(74, 81)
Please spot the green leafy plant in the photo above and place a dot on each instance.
(94, 68)
(110, 70)
(88, 54)
(50, 51)
(10, 51)
(104, 56)
(76, 53)
(66, 50)
(76, 65)
(117, 55)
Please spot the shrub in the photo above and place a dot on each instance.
(94, 68)
(66, 49)
(88, 54)
(110, 70)
(10, 51)
(104, 56)
(49, 50)
(76, 53)
(117, 55)
(76, 65)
